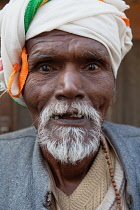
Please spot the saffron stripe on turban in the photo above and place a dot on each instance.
(103, 21)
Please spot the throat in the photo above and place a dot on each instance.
(67, 177)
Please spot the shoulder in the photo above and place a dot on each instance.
(124, 138)
(126, 141)
(11, 142)
(18, 134)
(122, 132)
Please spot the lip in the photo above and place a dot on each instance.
(71, 122)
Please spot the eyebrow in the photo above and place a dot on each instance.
(38, 56)
(41, 55)
(96, 54)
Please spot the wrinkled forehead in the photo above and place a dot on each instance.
(66, 46)
(57, 38)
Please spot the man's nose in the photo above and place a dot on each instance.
(70, 86)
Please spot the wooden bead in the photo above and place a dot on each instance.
(114, 184)
(111, 170)
(118, 202)
(116, 188)
(112, 174)
(107, 157)
(117, 192)
(120, 207)
(109, 162)
(118, 197)
(113, 180)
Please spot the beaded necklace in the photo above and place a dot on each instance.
(111, 172)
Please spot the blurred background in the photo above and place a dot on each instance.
(126, 110)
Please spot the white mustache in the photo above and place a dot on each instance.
(61, 108)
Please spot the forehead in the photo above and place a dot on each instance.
(63, 42)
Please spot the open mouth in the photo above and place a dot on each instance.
(69, 119)
(68, 116)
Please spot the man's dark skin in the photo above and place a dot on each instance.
(68, 67)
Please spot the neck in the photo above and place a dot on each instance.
(68, 176)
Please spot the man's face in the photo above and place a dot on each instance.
(70, 69)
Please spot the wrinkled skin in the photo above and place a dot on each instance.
(67, 67)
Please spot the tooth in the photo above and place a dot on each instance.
(56, 117)
(76, 115)
(73, 115)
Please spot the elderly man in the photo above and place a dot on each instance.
(60, 59)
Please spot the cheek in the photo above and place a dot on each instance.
(102, 95)
(31, 93)
(36, 94)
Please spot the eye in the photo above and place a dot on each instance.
(92, 67)
(45, 68)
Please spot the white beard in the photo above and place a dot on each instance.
(69, 144)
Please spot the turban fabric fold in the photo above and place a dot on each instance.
(101, 20)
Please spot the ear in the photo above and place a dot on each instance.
(113, 99)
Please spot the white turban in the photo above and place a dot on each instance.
(102, 21)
